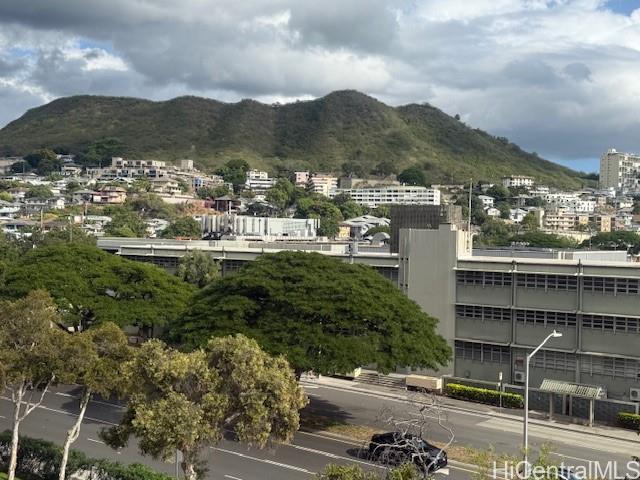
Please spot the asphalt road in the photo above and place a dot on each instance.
(308, 454)
(470, 427)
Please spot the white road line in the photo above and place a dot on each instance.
(264, 460)
(326, 437)
(97, 402)
(2, 416)
(332, 455)
(569, 456)
(96, 441)
(231, 477)
(70, 414)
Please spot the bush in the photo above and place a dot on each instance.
(484, 395)
(40, 460)
(629, 420)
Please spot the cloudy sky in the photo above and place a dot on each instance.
(559, 77)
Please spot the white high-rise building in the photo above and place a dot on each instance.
(394, 194)
(620, 171)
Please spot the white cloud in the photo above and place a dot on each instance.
(558, 76)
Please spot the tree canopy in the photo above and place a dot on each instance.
(322, 314)
(413, 175)
(198, 268)
(183, 227)
(90, 285)
(620, 240)
(185, 401)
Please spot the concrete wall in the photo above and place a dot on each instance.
(425, 261)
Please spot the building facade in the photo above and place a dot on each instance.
(388, 195)
(515, 181)
(495, 310)
(620, 171)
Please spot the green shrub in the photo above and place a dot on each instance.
(629, 420)
(40, 460)
(484, 395)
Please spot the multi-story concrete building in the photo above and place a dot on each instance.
(372, 197)
(515, 181)
(250, 226)
(125, 168)
(493, 307)
(620, 171)
(301, 178)
(324, 184)
(494, 310)
(259, 182)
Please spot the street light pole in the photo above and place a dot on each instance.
(553, 334)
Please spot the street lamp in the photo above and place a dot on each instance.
(553, 334)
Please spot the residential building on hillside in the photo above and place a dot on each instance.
(129, 169)
(259, 182)
(372, 197)
(110, 195)
(620, 171)
(301, 178)
(515, 181)
(486, 200)
(249, 226)
(324, 184)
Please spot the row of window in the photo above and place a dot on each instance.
(551, 360)
(609, 366)
(548, 282)
(544, 318)
(550, 318)
(613, 324)
(494, 279)
(482, 352)
(629, 286)
(477, 312)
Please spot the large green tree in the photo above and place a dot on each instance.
(185, 401)
(323, 314)
(183, 227)
(30, 356)
(96, 357)
(90, 285)
(620, 240)
(198, 268)
(413, 175)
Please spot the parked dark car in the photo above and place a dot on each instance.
(396, 448)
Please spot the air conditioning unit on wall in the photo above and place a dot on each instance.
(518, 377)
(634, 394)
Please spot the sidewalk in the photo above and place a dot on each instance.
(535, 418)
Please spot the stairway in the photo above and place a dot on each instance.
(375, 378)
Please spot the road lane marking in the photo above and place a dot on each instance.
(569, 456)
(232, 477)
(264, 460)
(97, 402)
(332, 455)
(96, 441)
(326, 437)
(64, 412)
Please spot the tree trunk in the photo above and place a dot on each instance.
(73, 433)
(17, 404)
(189, 470)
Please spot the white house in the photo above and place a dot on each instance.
(486, 200)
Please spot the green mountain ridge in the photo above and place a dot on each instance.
(319, 135)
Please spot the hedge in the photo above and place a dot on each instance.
(40, 460)
(484, 395)
(629, 420)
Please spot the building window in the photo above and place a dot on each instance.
(544, 318)
(611, 324)
(548, 282)
(482, 352)
(493, 279)
(477, 312)
(550, 360)
(610, 366)
(627, 286)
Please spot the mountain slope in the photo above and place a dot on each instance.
(322, 134)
